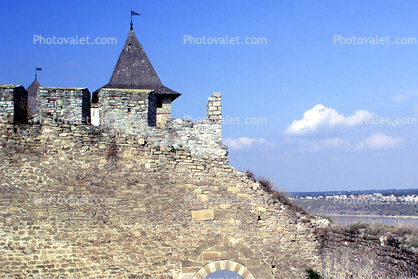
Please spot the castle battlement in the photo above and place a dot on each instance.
(55, 103)
(133, 102)
(13, 104)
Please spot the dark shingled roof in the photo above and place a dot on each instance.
(134, 70)
(33, 88)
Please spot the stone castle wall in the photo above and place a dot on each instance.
(164, 111)
(213, 108)
(83, 201)
(202, 138)
(78, 200)
(126, 109)
(355, 253)
(13, 104)
(101, 202)
(65, 105)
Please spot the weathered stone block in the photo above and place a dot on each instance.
(229, 255)
(225, 230)
(210, 256)
(201, 215)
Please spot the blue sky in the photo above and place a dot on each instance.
(308, 91)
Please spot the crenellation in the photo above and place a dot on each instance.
(125, 109)
(213, 108)
(63, 105)
(13, 104)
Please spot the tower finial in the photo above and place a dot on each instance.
(133, 14)
(37, 69)
(132, 26)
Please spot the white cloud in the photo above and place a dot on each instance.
(400, 98)
(321, 116)
(380, 141)
(244, 142)
(405, 96)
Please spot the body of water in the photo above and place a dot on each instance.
(348, 219)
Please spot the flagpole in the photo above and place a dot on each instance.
(133, 13)
(131, 21)
(36, 76)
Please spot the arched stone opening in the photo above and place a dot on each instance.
(223, 265)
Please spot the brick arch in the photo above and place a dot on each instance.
(223, 265)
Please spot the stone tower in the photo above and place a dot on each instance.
(32, 106)
(135, 96)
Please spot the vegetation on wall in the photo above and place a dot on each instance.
(281, 196)
(312, 274)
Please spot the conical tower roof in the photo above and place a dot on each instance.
(33, 88)
(134, 70)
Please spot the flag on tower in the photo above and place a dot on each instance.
(133, 14)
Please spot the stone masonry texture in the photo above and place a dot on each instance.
(63, 105)
(81, 201)
(163, 111)
(355, 253)
(126, 109)
(69, 209)
(13, 104)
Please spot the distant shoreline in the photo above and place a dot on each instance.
(372, 216)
